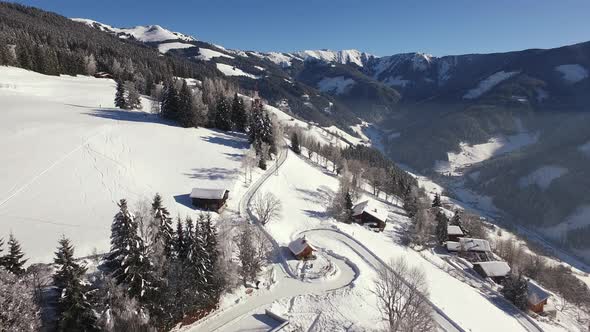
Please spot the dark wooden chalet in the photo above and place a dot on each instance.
(537, 297)
(301, 249)
(496, 270)
(454, 233)
(102, 74)
(366, 214)
(209, 199)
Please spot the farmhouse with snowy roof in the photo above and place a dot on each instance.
(454, 232)
(536, 297)
(495, 270)
(301, 249)
(209, 199)
(474, 250)
(365, 213)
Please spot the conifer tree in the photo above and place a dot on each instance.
(238, 114)
(515, 290)
(441, 227)
(456, 220)
(74, 310)
(126, 260)
(223, 118)
(164, 235)
(186, 114)
(295, 143)
(13, 260)
(436, 201)
(170, 102)
(348, 205)
(180, 242)
(120, 96)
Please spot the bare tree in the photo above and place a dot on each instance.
(90, 63)
(249, 162)
(266, 206)
(18, 309)
(402, 295)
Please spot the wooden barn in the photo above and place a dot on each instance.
(368, 215)
(474, 250)
(301, 249)
(495, 270)
(454, 233)
(209, 199)
(536, 297)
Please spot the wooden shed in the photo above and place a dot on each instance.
(209, 199)
(368, 215)
(102, 74)
(301, 249)
(536, 297)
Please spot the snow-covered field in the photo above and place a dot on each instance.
(572, 73)
(207, 54)
(69, 156)
(488, 83)
(165, 47)
(473, 154)
(336, 85)
(543, 176)
(229, 70)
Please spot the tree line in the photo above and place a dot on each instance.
(156, 274)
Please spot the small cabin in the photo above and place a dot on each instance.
(209, 199)
(496, 270)
(301, 249)
(537, 297)
(454, 233)
(368, 215)
(102, 74)
(474, 250)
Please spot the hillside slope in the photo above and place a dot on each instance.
(70, 156)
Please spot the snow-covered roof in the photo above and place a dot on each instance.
(369, 208)
(469, 244)
(208, 193)
(535, 293)
(495, 268)
(454, 230)
(297, 246)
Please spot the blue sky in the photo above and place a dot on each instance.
(381, 27)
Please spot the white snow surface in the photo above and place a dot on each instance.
(69, 156)
(147, 33)
(336, 85)
(343, 56)
(229, 70)
(488, 83)
(165, 47)
(543, 176)
(207, 54)
(572, 73)
(473, 154)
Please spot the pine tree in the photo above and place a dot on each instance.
(456, 220)
(348, 205)
(186, 115)
(441, 227)
(164, 235)
(238, 114)
(120, 96)
(180, 242)
(170, 102)
(223, 118)
(126, 260)
(209, 234)
(74, 311)
(295, 143)
(13, 260)
(436, 201)
(66, 269)
(515, 290)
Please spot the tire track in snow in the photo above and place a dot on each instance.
(53, 165)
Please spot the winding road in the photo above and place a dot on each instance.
(288, 285)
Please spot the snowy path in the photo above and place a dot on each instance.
(444, 322)
(287, 285)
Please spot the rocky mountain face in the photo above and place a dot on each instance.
(462, 118)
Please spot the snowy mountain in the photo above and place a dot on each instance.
(148, 33)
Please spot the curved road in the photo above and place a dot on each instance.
(287, 283)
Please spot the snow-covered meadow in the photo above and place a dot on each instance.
(69, 156)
